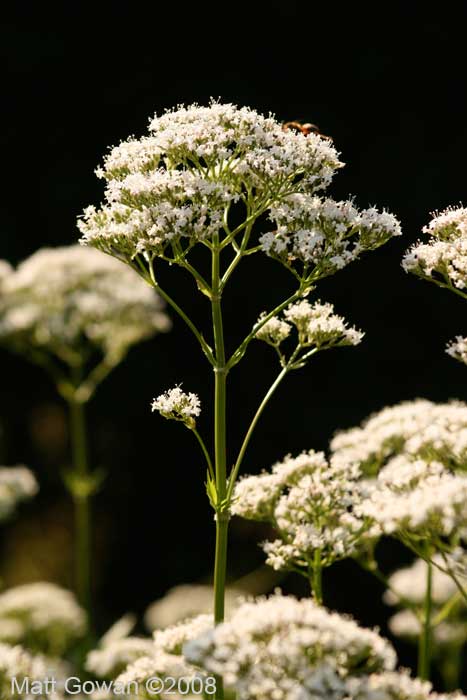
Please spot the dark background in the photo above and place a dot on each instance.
(388, 83)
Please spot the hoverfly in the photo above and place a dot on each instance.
(304, 129)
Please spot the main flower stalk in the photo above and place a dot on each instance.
(82, 511)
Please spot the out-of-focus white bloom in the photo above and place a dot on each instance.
(312, 506)
(172, 639)
(390, 686)
(16, 484)
(444, 258)
(417, 428)
(187, 600)
(176, 186)
(17, 663)
(278, 646)
(5, 271)
(458, 349)
(175, 404)
(70, 301)
(405, 624)
(410, 584)
(165, 659)
(117, 650)
(42, 617)
(119, 630)
(112, 659)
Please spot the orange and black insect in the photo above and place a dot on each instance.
(304, 129)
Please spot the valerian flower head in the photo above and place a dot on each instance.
(431, 506)
(165, 658)
(42, 617)
(175, 404)
(67, 304)
(17, 484)
(322, 235)
(311, 505)
(318, 325)
(279, 647)
(274, 331)
(177, 186)
(443, 259)
(417, 428)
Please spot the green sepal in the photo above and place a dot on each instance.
(211, 490)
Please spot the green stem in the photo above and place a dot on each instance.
(240, 351)
(241, 454)
(198, 335)
(317, 577)
(220, 451)
(82, 549)
(205, 453)
(424, 649)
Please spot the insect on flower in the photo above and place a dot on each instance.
(305, 129)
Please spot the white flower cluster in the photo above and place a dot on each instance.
(70, 301)
(444, 258)
(16, 484)
(117, 650)
(281, 648)
(312, 506)
(18, 664)
(42, 617)
(417, 498)
(324, 235)
(165, 657)
(187, 600)
(316, 324)
(176, 186)
(458, 349)
(409, 584)
(176, 404)
(417, 428)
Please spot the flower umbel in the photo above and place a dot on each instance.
(175, 404)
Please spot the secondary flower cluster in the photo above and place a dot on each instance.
(176, 187)
(313, 507)
(416, 453)
(444, 258)
(70, 302)
(417, 428)
(322, 235)
(42, 617)
(175, 404)
(17, 484)
(316, 325)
